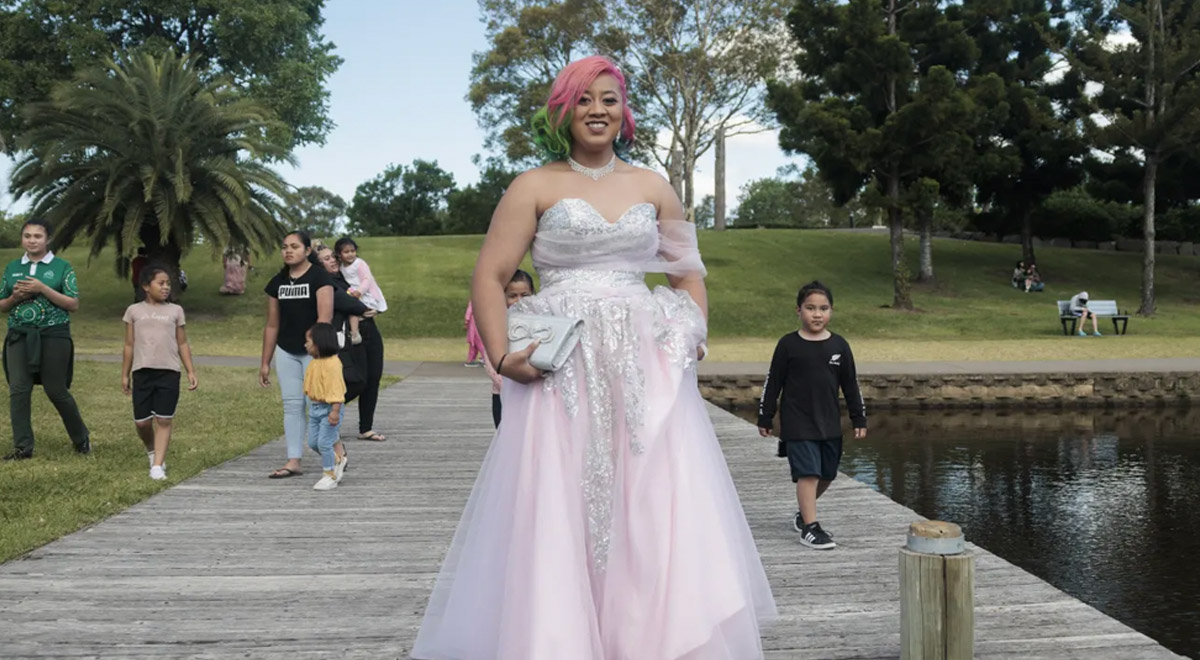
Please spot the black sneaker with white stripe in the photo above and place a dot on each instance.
(813, 536)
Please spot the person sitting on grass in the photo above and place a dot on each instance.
(1033, 279)
(1078, 307)
(1018, 276)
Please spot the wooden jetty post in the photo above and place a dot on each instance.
(937, 587)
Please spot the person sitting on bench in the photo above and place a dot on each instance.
(1079, 308)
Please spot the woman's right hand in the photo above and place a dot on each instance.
(516, 365)
(125, 388)
(264, 375)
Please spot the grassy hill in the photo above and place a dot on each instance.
(970, 313)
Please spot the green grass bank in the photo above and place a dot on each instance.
(971, 312)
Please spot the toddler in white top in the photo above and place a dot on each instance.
(362, 284)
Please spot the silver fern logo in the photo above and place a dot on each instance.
(836, 359)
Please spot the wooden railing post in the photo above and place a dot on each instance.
(937, 594)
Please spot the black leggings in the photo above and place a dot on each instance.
(372, 342)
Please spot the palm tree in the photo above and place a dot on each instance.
(146, 152)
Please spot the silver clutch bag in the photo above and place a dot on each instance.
(558, 336)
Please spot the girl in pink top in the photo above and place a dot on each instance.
(156, 348)
(362, 284)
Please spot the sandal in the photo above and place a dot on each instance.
(284, 473)
(372, 436)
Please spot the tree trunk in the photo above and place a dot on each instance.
(719, 185)
(926, 272)
(1027, 237)
(689, 187)
(675, 171)
(1148, 185)
(900, 296)
(1154, 103)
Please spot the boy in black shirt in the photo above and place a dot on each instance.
(809, 367)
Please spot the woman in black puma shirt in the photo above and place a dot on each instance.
(298, 297)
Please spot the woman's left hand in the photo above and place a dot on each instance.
(30, 287)
(516, 366)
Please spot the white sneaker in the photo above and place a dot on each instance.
(326, 483)
(340, 468)
(157, 473)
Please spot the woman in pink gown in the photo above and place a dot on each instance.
(604, 524)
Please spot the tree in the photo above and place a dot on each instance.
(693, 69)
(878, 105)
(149, 153)
(10, 229)
(272, 50)
(792, 199)
(1151, 91)
(705, 212)
(402, 201)
(530, 41)
(1037, 149)
(316, 210)
(469, 210)
(703, 68)
(770, 202)
(1176, 193)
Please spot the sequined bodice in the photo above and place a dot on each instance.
(593, 244)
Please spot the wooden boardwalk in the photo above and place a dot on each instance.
(231, 564)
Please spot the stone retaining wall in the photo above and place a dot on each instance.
(990, 391)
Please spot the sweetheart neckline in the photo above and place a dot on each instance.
(596, 211)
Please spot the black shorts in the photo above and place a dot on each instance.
(814, 458)
(155, 393)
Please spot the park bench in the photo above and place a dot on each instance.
(1099, 308)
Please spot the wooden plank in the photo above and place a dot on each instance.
(231, 564)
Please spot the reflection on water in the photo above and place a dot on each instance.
(1104, 505)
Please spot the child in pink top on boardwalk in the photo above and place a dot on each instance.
(362, 284)
(156, 346)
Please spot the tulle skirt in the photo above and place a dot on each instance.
(604, 524)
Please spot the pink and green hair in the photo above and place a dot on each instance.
(552, 123)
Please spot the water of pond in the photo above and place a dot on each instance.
(1104, 505)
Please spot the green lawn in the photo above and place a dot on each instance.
(971, 313)
(59, 491)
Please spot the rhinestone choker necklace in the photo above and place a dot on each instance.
(594, 173)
